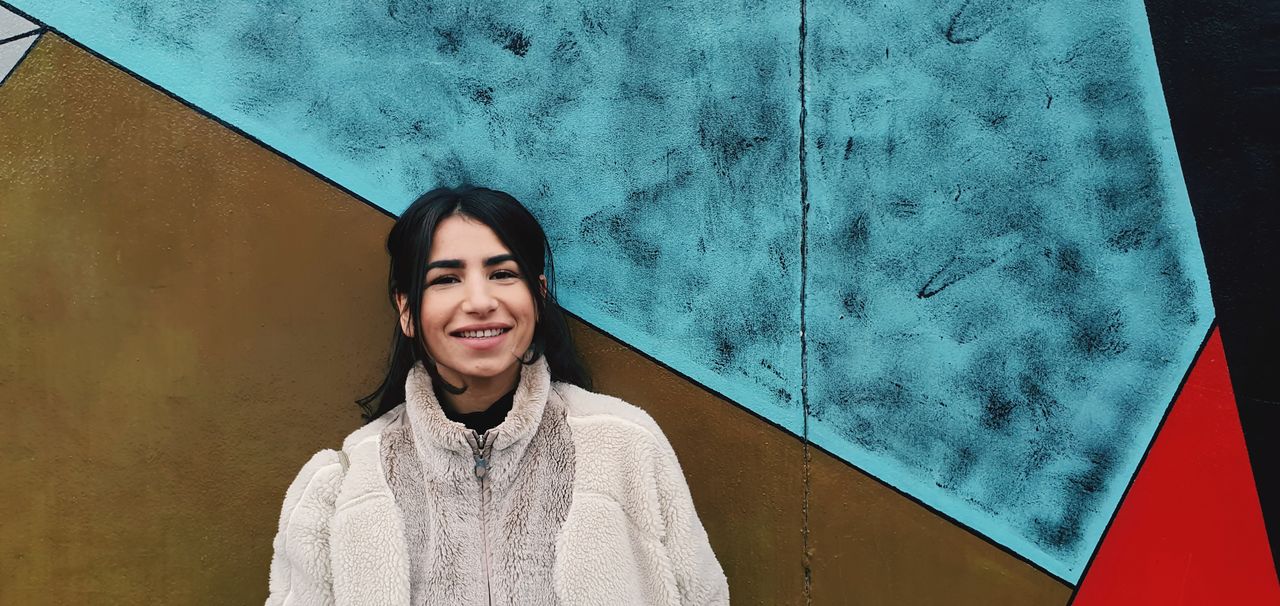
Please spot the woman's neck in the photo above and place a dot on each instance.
(481, 393)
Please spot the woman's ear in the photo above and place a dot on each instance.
(406, 321)
(542, 279)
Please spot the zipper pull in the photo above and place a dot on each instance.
(481, 454)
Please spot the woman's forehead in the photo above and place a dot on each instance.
(465, 239)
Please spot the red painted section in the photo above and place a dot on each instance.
(1190, 531)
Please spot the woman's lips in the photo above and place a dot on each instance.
(482, 343)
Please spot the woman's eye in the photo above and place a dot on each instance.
(443, 280)
(505, 274)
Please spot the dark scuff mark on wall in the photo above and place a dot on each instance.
(996, 411)
(613, 227)
(596, 22)
(566, 51)
(960, 467)
(724, 350)
(975, 18)
(483, 96)
(450, 41)
(1100, 334)
(410, 12)
(1065, 531)
(954, 270)
(515, 41)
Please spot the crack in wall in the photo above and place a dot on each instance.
(806, 557)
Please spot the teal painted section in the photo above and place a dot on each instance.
(1005, 281)
(658, 145)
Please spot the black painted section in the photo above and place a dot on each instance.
(1220, 65)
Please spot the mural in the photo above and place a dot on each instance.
(939, 256)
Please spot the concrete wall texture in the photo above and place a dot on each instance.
(910, 288)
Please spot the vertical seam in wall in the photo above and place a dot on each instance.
(807, 556)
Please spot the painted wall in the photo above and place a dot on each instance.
(191, 316)
(936, 264)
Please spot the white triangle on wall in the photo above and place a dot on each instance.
(12, 53)
(12, 25)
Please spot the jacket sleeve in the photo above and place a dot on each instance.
(698, 575)
(300, 569)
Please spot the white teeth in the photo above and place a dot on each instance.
(480, 334)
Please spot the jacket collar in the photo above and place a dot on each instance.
(432, 426)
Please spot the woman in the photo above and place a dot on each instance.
(488, 474)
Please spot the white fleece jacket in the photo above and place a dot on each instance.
(579, 501)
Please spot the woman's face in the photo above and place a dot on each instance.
(477, 313)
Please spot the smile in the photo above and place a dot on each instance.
(480, 334)
(481, 339)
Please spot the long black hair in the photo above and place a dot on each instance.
(409, 246)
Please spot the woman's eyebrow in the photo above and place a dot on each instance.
(456, 263)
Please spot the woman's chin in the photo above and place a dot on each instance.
(484, 372)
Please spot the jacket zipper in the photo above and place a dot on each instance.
(482, 446)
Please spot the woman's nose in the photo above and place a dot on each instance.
(479, 298)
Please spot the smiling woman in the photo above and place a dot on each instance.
(478, 315)
(471, 259)
(488, 473)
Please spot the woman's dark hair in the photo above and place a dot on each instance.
(409, 245)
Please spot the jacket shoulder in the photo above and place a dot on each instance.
(314, 489)
(319, 470)
(332, 464)
(372, 430)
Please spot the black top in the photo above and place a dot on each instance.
(484, 420)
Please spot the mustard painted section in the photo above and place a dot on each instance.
(185, 317)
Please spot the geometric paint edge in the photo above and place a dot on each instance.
(1141, 461)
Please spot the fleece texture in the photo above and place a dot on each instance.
(583, 503)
